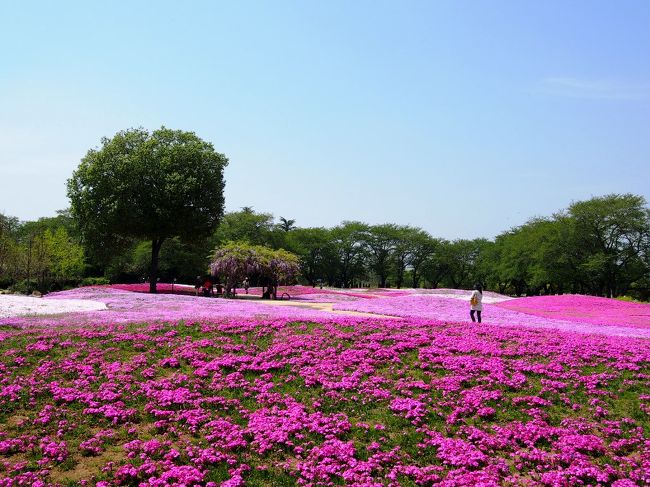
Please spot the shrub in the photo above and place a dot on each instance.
(94, 281)
(26, 286)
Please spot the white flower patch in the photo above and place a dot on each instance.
(488, 296)
(25, 305)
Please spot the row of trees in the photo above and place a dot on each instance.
(600, 246)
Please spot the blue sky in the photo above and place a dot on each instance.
(463, 118)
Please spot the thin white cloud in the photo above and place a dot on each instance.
(597, 89)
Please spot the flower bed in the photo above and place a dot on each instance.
(166, 390)
(441, 307)
(323, 402)
(586, 309)
(133, 307)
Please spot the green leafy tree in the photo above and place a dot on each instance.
(610, 231)
(436, 266)
(461, 259)
(381, 241)
(316, 250)
(412, 247)
(152, 186)
(551, 244)
(515, 259)
(245, 226)
(424, 249)
(66, 258)
(9, 250)
(350, 252)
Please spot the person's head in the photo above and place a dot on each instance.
(478, 287)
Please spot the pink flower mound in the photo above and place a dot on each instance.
(300, 292)
(327, 297)
(447, 309)
(135, 307)
(162, 288)
(583, 309)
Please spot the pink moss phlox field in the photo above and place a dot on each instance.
(176, 390)
(502, 313)
(300, 292)
(129, 307)
(161, 287)
(586, 309)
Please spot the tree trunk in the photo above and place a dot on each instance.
(153, 275)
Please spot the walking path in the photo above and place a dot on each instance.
(327, 307)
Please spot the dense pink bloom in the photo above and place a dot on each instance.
(172, 390)
(584, 309)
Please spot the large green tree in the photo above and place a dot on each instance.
(380, 240)
(9, 251)
(412, 247)
(245, 226)
(610, 231)
(462, 261)
(148, 185)
(423, 249)
(351, 253)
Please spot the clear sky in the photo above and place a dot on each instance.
(463, 118)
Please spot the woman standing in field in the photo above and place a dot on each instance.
(476, 302)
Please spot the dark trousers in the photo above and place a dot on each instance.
(478, 313)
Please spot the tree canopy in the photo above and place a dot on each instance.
(599, 246)
(148, 185)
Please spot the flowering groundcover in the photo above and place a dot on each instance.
(134, 396)
(618, 318)
(588, 309)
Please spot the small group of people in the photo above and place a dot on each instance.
(208, 288)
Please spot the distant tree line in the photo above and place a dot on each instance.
(600, 246)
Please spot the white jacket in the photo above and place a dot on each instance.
(479, 297)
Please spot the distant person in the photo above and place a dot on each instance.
(198, 283)
(219, 287)
(476, 302)
(246, 285)
(208, 288)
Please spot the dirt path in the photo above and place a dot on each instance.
(327, 307)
